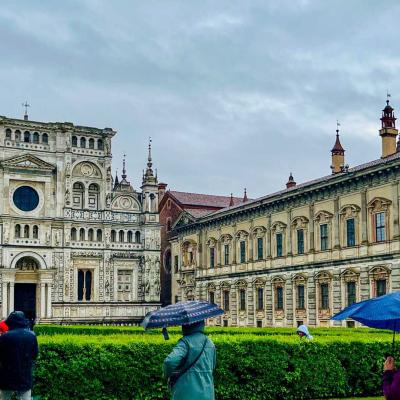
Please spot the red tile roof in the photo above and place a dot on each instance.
(205, 200)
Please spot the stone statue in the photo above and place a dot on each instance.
(107, 287)
(147, 286)
(108, 200)
(157, 287)
(67, 197)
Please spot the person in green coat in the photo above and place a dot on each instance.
(197, 351)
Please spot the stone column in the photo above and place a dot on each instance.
(11, 304)
(364, 215)
(5, 300)
(48, 313)
(336, 240)
(395, 210)
(42, 300)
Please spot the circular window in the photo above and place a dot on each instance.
(26, 198)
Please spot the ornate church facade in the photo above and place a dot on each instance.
(75, 244)
(302, 254)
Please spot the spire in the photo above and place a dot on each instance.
(291, 182)
(124, 184)
(337, 154)
(231, 203)
(123, 168)
(337, 148)
(116, 181)
(26, 105)
(148, 176)
(245, 198)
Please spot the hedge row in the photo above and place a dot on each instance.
(136, 330)
(248, 367)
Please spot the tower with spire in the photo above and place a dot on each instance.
(337, 153)
(388, 131)
(150, 186)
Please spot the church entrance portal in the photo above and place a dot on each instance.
(25, 299)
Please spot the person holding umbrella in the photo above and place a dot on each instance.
(189, 367)
(382, 313)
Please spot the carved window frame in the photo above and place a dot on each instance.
(300, 223)
(300, 280)
(189, 247)
(225, 288)
(241, 286)
(324, 278)
(259, 283)
(349, 275)
(375, 206)
(226, 240)
(278, 227)
(279, 283)
(349, 211)
(321, 218)
(376, 273)
(242, 237)
(212, 247)
(259, 233)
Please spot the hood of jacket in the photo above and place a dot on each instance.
(17, 320)
(193, 328)
(304, 329)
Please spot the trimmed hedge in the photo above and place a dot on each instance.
(249, 366)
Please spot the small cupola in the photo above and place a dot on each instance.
(337, 153)
(388, 131)
(291, 182)
(245, 198)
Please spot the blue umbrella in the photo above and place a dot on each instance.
(381, 312)
(182, 313)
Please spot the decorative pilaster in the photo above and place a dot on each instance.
(364, 216)
(395, 209)
(11, 299)
(336, 241)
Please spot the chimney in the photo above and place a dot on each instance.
(291, 182)
(245, 198)
(162, 187)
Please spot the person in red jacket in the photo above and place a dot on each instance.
(391, 380)
(3, 327)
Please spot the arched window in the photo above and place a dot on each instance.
(35, 231)
(168, 224)
(78, 192)
(45, 138)
(91, 143)
(27, 136)
(17, 135)
(83, 142)
(100, 145)
(73, 234)
(137, 237)
(130, 236)
(121, 236)
(26, 231)
(74, 141)
(90, 235)
(81, 234)
(8, 133)
(18, 231)
(113, 236)
(35, 137)
(99, 235)
(93, 196)
(84, 285)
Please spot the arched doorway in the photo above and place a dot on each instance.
(25, 289)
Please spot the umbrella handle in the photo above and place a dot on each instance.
(165, 333)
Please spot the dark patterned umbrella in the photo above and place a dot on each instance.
(182, 313)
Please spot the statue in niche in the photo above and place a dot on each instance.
(147, 286)
(108, 200)
(106, 147)
(107, 287)
(68, 170)
(157, 287)
(109, 173)
(47, 238)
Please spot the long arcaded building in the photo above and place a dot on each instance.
(302, 254)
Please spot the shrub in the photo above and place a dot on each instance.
(249, 366)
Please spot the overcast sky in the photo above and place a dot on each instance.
(234, 93)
